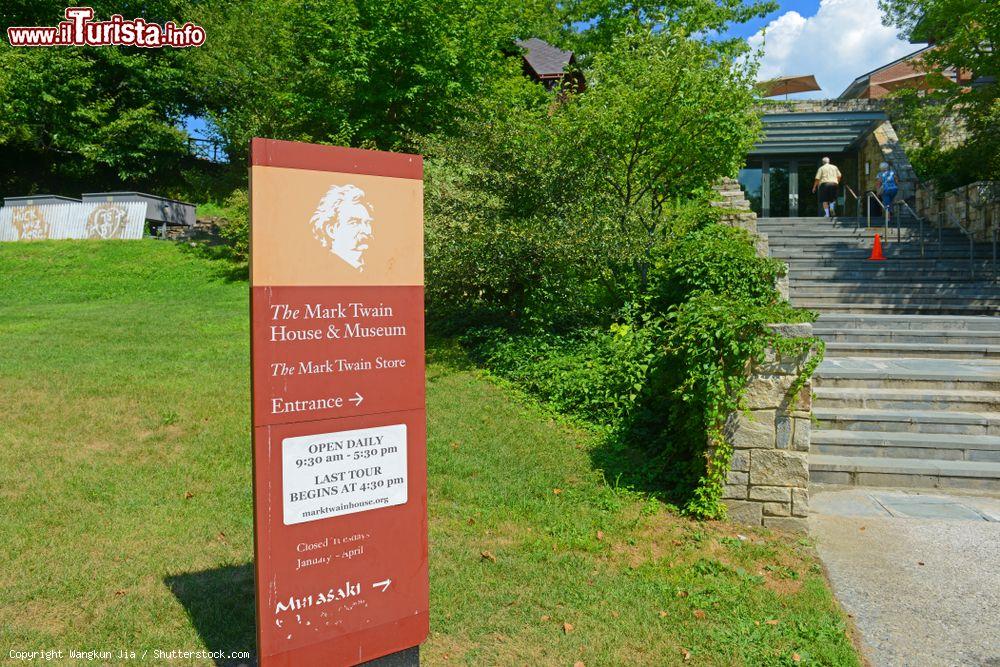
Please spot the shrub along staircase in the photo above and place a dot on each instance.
(909, 392)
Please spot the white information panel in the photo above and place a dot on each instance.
(331, 474)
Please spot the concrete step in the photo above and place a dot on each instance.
(845, 236)
(908, 322)
(818, 219)
(862, 263)
(939, 286)
(924, 350)
(879, 290)
(890, 296)
(972, 294)
(801, 255)
(891, 472)
(882, 275)
(893, 308)
(853, 222)
(962, 400)
(877, 225)
(923, 337)
(834, 238)
(906, 239)
(905, 445)
(884, 373)
(908, 421)
(919, 338)
(841, 224)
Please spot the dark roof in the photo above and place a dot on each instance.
(814, 132)
(862, 80)
(544, 59)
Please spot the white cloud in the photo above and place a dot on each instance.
(844, 40)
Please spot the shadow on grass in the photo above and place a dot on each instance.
(447, 355)
(227, 266)
(625, 465)
(658, 448)
(220, 603)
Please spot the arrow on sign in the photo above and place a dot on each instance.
(382, 584)
(357, 399)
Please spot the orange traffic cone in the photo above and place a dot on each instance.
(877, 249)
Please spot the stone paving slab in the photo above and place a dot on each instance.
(918, 572)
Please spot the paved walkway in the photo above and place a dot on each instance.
(918, 572)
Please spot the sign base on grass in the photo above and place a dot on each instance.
(406, 658)
(339, 424)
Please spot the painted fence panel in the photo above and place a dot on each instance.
(87, 220)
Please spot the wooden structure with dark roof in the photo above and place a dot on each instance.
(551, 66)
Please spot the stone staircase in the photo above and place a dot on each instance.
(735, 208)
(909, 392)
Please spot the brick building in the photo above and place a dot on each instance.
(906, 72)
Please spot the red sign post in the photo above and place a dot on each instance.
(339, 424)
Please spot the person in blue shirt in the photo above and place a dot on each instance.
(888, 186)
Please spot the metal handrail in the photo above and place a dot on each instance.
(901, 203)
(972, 243)
(857, 206)
(996, 233)
(994, 204)
(995, 224)
(868, 211)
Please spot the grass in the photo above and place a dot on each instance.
(126, 499)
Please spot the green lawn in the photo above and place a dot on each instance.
(126, 500)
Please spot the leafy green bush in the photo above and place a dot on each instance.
(236, 228)
(667, 375)
(504, 260)
(543, 211)
(697, 383)
(716, 258)
(594, 374)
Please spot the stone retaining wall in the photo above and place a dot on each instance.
(769, 475)
(204, 228)
(883, 145)
(820, 106)
(976, 206)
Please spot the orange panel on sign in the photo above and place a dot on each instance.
(323, 228)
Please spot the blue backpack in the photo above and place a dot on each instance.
(888, 181)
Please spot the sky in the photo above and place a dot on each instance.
(836, 40)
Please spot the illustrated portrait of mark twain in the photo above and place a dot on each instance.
(342, 223)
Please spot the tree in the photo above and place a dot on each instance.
(592, 26)
(375, 73)
(549, 208)
(966, 36)
(75, 117)
(665, 117)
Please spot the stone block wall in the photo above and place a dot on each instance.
(883, 145)
(976, 206)
(203, 228)
(736, 209)
(820, 106)
(769, 474)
